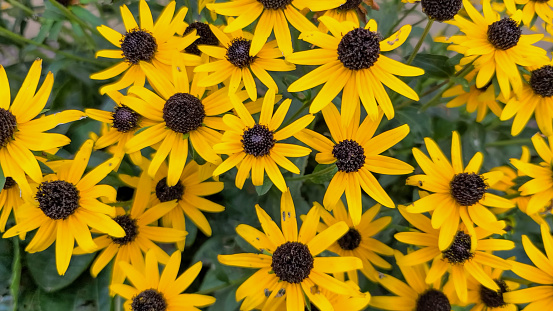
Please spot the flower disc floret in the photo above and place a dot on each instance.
(125, 119)
(504, 34)
(183, 113)
(460, 249)
(138, 45)
(492, 298)
(275, 4)
(165, 193)
(349, 5)
(359, 49)
(57, 199)
(8, 125)
(131, 229)
(541, 81)
(433, 300)
(238, 53)
(441, 10)
(149, 300)
(467, 188)
(350, 240)
(207, 37)
(350, 156)
(292, 262)
(258, 140)
(9, 183)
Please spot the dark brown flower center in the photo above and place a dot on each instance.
(467, 188)
(124, 119)
(292, 262)
(258, 140)
(350, 156)
(459, 251)
(485, 87)
(492, 298)
(57, 199)
(8, 125)
(275, 4)
(359, 49)
(349, 5)
(541, 81)
(131, 229)
(10, 183)
(138, 45)
(206, 37)
(504, 34)
(183, 113)
(149, 300)
(168, 193)
(433, 300)
(441, 10)
(350, 240)
(238, 53)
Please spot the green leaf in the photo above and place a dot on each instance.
(267, 184)
(2, 178)
(86, 15)
(44, 168)
(6, 258)
(434, 65)
(323, 173)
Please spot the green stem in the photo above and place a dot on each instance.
(509, 142)
(216, 288)
(319, 173)
(10, 35)
(16, 272)
(21, 6)
(296, 114)
(73, 18)
(421, 40)
(407, 13)
(437, 97)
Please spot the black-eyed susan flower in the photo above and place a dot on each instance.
(486, 299)
(21, 133)
(414, 294)
(10, 200)
(150, 43)
(273, 15)
(65, 204)
(535, 99)
(467, 254)
(235, 61)
(541, 184)
(205, 37)
(500, 45)
(139, 237)
(152, 291)
(255, 145)
(538, 297)
(360, 70)
(358, 241)
(348, 11)
(289, 271)
(356, 154)
(458, 192)
(541, 8)
(189, 191)
(181, 113)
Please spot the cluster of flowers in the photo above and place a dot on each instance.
(202, 94)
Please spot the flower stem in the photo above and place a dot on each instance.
(216, 288)
(308, 176)
(16, 271)
(73, 18)
(22, 7)
(296, 114)
(509, 142)
(421, 40)
(407, 13)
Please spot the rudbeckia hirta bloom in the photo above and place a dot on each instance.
(289, 270)
(139, 236)
(181, 113)
(414, 294)
(255, 145)
(148, 43)
(467, 254)
(486, 299)
(356, 154)
(541, 8)
(536, 98)
(500, 45)
(10, 199)
(359, 69)
(65, 204)
(458, 192)
(21, 133)
(358, 241)
(273, 15)
(235, 61)
(150, 291)
(348, 12)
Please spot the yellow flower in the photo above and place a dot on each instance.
(288, 271)
(360, 70)
(150, 291)
(416, 294)
(10, 199)
(500, 45)
(255, 145)
(465, 256)
(236, 61)
(273, 15)
(541, 8)
(139, 236)
(358, 241)
(356, 154)
(348, 11)
(21, 133)
(484, 298)
(458, 192)
(149, 43)
(65, 204)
